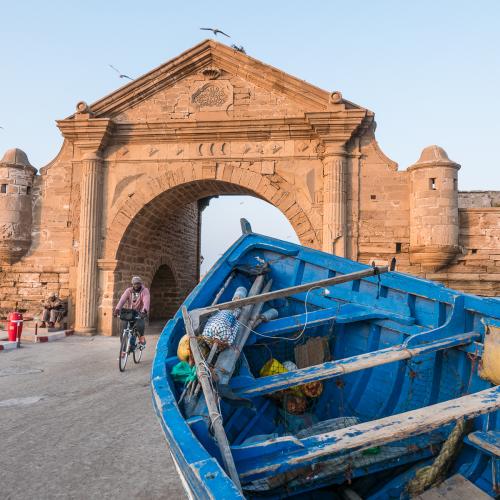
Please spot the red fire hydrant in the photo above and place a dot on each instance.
(15, 326)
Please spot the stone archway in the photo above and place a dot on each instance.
(163, 227)
(205, 179)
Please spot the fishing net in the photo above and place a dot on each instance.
(182, 372)
(221, 328)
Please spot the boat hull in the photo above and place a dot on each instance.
(368, 316)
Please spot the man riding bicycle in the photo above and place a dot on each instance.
(137, 298)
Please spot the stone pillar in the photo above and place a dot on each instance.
(87, 282)
(90, 136)
(334, 201)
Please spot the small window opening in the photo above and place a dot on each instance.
(474, 250)
(373, 197)
(455, 184)
(432, 183)
(3, 188)
(398, 247)
(28, 189)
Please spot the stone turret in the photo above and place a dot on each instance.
(16, 183)
(434, 223)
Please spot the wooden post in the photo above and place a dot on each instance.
(213, 408)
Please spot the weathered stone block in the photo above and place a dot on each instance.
(29, 277)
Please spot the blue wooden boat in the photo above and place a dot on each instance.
(404, 369)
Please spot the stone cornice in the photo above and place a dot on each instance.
(331, 128)
(251, 130)
(88, 134)
(337, 127)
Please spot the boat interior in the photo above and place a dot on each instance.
(387, 358)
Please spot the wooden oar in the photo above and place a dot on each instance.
(196, 314)
(213, 408)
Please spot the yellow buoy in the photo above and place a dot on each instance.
(183, 349)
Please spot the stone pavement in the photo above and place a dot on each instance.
(72, 426)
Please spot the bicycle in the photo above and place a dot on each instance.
(129, 339)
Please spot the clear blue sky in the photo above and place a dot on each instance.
(429, 70)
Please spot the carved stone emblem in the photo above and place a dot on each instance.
(209, 96)
(212, 95)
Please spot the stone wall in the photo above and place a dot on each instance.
(477, 269)
(478, 199)
(49, 260)
(384, 217)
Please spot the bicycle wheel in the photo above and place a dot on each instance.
(137, 351)
(122, 359)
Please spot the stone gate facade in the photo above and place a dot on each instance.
(124, 194)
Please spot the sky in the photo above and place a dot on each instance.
(429, 70)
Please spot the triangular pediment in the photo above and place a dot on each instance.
(212, 78)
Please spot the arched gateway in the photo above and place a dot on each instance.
(123, 195)
(212, 121)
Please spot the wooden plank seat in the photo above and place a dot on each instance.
(275, 456)
(248, 387)
(455, 487)
(486, 441)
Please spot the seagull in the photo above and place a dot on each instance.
(2, 127)
(215, 31)
(119, 72)
(238, 48)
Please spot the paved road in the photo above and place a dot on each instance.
(72, 426)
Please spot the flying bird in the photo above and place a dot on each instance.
(238, 48)
(215, 31)
(120, 73)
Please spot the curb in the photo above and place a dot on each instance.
(7, 346)
(54, 336)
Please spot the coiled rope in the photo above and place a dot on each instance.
(434, 474)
